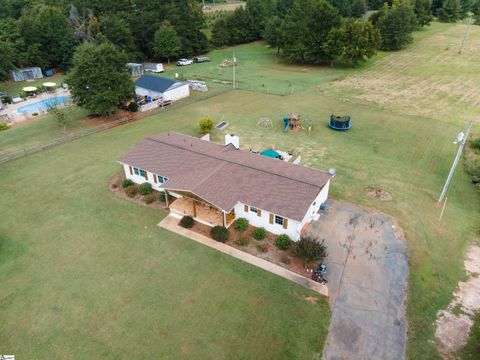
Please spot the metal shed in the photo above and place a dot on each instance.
(135, 69)
(30, 73)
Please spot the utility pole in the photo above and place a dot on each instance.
(462, 139)
(467, 31)
(234, 63)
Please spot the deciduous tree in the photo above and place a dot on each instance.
(99, 79)
(450, 11)
(359, 8)
(166, 43)
(305, 30)
(396, 27)
(273, 32)
(423, 11)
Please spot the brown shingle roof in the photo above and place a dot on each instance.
(224, 176)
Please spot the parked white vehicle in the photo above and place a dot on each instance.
(153, 67)
(183, 62)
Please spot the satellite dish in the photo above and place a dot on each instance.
(332, 171)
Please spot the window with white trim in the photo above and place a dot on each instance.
(278, 220)
(254, 209)
(162, 179)
(138, 171)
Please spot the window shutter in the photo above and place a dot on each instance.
(131, 171)
(154, 178)
(245, 207)
(285, 223)
(271, 218)
(146, 176)
(259, 213)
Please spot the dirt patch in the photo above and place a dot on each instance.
(115, 186)
(453, 325)
(378, 193)
(311, 299)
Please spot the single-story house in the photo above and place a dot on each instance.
(135, 69)
(215, 184)
(158, 87)
(30, 73)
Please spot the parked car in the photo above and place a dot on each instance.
(183, 62)
(153, 67)
(201, 59)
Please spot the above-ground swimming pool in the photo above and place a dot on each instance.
(43, 105)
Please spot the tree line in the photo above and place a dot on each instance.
(317, 31)
(46, 33)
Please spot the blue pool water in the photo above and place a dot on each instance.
(39, 106)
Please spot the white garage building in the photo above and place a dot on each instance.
(158, 87)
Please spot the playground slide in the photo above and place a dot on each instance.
(286, 127)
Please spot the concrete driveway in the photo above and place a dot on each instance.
(367, 279)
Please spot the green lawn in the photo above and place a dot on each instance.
(88, 275)
(471, 351)
(14, 88)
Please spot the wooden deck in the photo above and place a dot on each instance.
(202, 212)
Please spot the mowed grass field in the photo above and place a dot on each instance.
(88, 275)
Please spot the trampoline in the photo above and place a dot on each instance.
(341, 123)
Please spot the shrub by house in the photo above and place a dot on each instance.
(219, 233)
(145, 189)
(186, 222)
(240, 224)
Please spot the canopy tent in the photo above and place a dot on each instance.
(29, 89)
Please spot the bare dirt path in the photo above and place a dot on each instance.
(453, 324)
(367, 274)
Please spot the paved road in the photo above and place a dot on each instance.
(367, 274)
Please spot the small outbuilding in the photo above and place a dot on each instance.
(26, 74)
(135, 69)
(157, 87)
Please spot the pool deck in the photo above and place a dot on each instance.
(11, 109)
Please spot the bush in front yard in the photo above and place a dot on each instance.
(126, 183)
(311, 249)
(206, 125)
(131, 191)
(219, 233)
(241, 224)
(150, 198)
(283, 242)
(186, 222)
(145, 189)
(244, 241)
(259, 233)
(162, 196)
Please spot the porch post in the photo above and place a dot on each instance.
(166, 199)
(194, 209)
(224, 219)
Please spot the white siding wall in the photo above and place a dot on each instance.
(264, 221)
(315, 206)
(177, 93)
(137, 179)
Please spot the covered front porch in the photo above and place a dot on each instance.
(200, 210)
